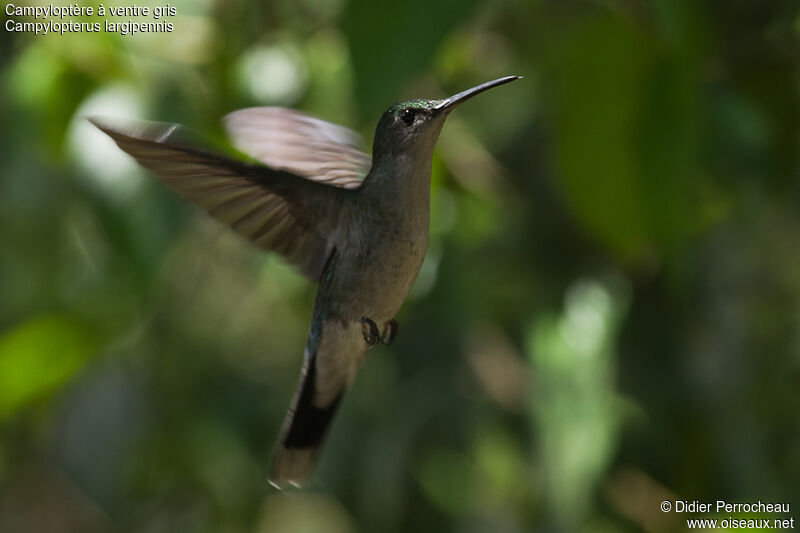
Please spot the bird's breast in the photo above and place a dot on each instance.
(378, 264)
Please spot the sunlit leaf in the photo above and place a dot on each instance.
(40, 355)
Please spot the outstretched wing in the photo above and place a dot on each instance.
(301, 144)
(275, 209)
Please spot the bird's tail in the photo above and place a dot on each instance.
(304, 430)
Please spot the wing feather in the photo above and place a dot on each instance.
(275, 208)
(289, 140)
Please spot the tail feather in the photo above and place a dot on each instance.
(303, 433)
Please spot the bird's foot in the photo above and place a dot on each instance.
(390, 328)
(370, 331)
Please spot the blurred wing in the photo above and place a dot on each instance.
(301, 144)
(274, 209)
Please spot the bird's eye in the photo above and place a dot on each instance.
(408, 116)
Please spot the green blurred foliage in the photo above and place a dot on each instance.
(38, 356)
(608, 316)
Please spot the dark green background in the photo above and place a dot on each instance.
(609, 315)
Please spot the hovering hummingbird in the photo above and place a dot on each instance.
(357, 225)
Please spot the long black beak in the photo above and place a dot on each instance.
(448, 104)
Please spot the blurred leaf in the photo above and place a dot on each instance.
(33, 78)
(501, 463)
(599, 75)
(575, 406)
(391, 41)
(444, 476)
(303, 513)
(40, 355)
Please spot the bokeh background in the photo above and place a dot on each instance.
(608, 316)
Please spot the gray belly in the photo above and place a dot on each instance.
(374, 279)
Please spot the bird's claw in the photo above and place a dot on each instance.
(370, 331)
(389, 331)
(372, 335)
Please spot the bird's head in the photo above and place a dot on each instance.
(413, 127)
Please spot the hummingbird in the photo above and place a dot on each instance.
(301, 187)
